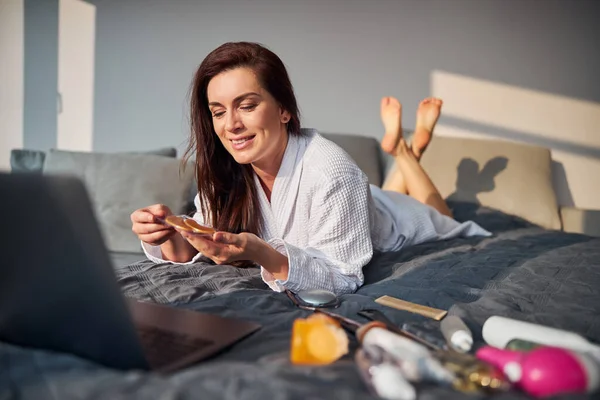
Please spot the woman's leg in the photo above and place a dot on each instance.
(407, 175)
(391, 116)
(417, 181)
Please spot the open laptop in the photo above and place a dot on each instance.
(58, 290)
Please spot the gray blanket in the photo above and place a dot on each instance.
(523, 272)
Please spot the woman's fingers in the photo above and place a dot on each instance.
(159, 210)
(142, 216)
(227, 238)
(143, 229)
(203, 244)
(146, 226)
(220, 253)
(156, 238)
(148, 214)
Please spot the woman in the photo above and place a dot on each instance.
(286, 198)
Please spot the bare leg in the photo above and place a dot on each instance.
(391, 116)
(417, 181)
(407, 175)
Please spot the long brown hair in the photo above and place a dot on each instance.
(228, 195)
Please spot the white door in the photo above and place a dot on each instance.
(76, 48)
(11, 79)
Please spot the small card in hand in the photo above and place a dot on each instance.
(187, 224)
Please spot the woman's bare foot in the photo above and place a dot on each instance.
(427, 116)
(391, 116)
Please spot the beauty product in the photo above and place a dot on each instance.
(457, 334)
(546, 371)
(498, 331)
(177, 221)
(415, 360)
(473, 375)
(198, 228)
(404, 305)
(382, 375)
(316, 298)
(317, 340)
(426, 335)
(521, 345)
(427, 332)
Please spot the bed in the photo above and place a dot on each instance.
(522, 271)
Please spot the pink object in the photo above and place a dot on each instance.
(545, 371)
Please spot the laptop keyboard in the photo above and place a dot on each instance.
(163, 347)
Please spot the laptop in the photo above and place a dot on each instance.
(59, 292)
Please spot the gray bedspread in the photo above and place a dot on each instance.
(523, 272)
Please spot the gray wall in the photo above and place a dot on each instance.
(41, 73)
(343, 55)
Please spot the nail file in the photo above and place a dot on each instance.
(177, 222)
(198, 228)
(433, 313)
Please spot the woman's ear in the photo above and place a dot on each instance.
(284, 116)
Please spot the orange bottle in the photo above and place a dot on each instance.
(317, 340)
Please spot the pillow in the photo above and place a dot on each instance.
(119, 183)
(511, 177)
(365, 151)
(578, 220)
(24, 160)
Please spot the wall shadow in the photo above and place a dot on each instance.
(561, 184)
(471, 181)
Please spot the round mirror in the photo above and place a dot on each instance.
(317, 297)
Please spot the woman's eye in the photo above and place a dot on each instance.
(248, 107)
(218, 114)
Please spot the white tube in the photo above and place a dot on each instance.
(498, 331)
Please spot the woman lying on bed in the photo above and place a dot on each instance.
(286, 198)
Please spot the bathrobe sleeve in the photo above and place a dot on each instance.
(154, 254)
(339, 243)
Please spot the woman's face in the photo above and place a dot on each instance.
(247, 119)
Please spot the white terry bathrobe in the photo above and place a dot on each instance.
(327, 219)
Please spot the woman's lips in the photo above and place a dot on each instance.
(240, 144)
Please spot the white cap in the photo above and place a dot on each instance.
(462, 341)
(513, 371)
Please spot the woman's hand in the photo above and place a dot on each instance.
(223, 247)
(146, 226)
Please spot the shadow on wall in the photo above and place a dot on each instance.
(569, 127)
(470, 180)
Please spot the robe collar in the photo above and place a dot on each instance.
(278, 214)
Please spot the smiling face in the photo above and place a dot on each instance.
(247, 119)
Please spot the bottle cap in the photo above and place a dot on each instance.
(462, 341)
(513, 371)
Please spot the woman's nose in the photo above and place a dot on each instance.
(234, 122)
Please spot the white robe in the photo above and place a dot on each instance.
(327, 219)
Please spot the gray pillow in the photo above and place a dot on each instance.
(511, 177)
(120, 183)
(365, 151)
(23, 160)
(32, 161)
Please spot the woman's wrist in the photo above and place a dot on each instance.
(270, 259)
(177, 249)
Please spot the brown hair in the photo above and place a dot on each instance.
(228, 196)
